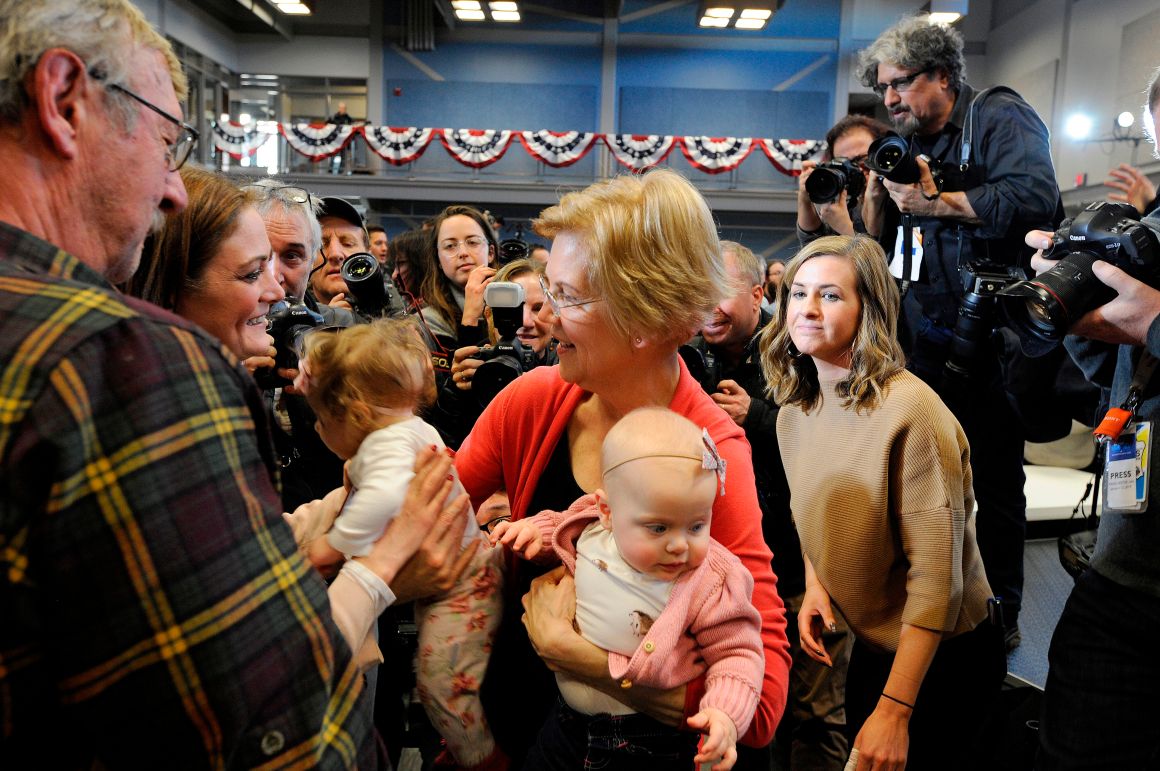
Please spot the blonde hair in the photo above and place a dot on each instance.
(384, 364)
(877, 356)
(104, 33)
(652, 251)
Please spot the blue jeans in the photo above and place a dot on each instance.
(570, 740)
(1101, 707)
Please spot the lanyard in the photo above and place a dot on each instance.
(1118, 417)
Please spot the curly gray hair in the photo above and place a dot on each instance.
(101, 32)
(273, 195)
(915, 44)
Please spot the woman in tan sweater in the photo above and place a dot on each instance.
(880, 488)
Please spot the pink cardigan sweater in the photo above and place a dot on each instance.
(511, 445)
(711, 603)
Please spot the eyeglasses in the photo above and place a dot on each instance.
(283, 192)
(558, 304)
(176, 152)
(900, 85)
(473, 243)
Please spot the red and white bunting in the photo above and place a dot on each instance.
(716, 154)
(787, 154)
(476, 147)
(558, 148)
(232, 139)
(316, 140)
(639, 151)
(398, 146)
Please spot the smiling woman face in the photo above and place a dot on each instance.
(235, 291)
(823, 312)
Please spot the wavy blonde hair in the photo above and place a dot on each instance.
(793, 379)
(652, 251)
(381, 364)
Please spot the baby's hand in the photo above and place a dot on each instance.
(720, 744)
(522, 537)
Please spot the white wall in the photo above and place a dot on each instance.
(334, 57)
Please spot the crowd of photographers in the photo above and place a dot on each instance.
(961, 197)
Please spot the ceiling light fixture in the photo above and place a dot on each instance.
(294, 9)
(474, 10)
(752, 15)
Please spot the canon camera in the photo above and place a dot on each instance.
(827, 181)
(890, 156)
(1042, 309)
(287, 322)
(508, 358)
(373, 291)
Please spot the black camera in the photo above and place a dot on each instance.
(890, 156)
(372, 289)
(703, 365)
(1042, 309)
(514, 248)
(982, 282)
(287, 322)
(508, 358)
(827, 181)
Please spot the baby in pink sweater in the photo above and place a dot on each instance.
(664, 599)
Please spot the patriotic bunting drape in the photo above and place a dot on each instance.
(398, 146)
(479, 148)
(316, 141)
(558, 148)
(234, 140)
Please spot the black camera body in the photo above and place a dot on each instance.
(827, 181)
(982, 284)
(372, 289)
(703, 365)
(508, 358)
(287, 322)
(1042, 309)
(890, 157)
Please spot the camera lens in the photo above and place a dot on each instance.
(825, 184)
(491, 377)
(1046, 306)
(890, 157)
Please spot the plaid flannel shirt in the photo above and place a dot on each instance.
(154, 612)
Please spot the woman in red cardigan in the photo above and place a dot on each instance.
(635, 269)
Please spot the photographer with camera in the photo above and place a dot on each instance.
(831, 194)
(725, 359)
(965, 235)
(519, 341)
(1100, 708)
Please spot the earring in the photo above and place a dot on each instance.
(639, 340)
(793, 351)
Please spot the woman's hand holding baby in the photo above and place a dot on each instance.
(522, 537)
(720, 742)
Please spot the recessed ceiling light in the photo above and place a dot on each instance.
(294, 9)
(469, 15)
(503, 6)
(719, 13)
(944, 18)
(505, 15)
(709, 21)
(749, 23)
(756, 13)
(466, 5)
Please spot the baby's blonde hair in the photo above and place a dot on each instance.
(383, 364)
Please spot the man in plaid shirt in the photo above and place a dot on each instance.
(154, 611)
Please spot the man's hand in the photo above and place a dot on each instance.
(733, 399)
(1126, 318)
(836, 214)
(1134, 187)
(720, 745)
(340, 301)
(919, 198)
(874, 204)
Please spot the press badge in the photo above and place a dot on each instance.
(1126, 470)
(897, 262)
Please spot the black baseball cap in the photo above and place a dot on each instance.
(343, 209)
